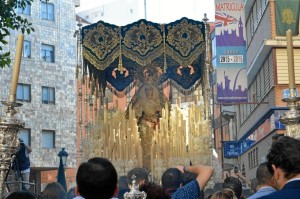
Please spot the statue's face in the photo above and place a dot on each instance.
(149, 91)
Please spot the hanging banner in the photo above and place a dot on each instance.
(231, 66)
(287, 16)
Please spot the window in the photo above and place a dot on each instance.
(24, 92)
(25, 11)
(48, 95)
(249, 160)
(48, 11)
(47, 53)
(24, 134)
(255, 17)
(26, 49)
(256, 161)
(253, 158)
(48, 139)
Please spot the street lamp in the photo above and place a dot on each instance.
(63, 155)
(61, 177)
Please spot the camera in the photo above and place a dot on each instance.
(21, 142)
(236, 169)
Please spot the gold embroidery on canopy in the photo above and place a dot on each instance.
(184, 42)
(142, 43)
(102, 41)
(188, 60)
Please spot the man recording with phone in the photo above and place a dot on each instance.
(22, 163)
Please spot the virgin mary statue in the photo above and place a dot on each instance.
(148, 103)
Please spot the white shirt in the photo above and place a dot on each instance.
(78, 197)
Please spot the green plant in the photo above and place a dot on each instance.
(9, 19)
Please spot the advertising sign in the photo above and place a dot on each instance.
(232, 149)
(231, 64)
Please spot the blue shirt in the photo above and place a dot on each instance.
(262, 192)
(188, 191)
(291, 190)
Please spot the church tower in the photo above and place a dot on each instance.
(241, 28)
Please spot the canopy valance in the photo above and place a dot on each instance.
(123, 56)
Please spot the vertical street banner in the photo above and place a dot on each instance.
(287, 16)
(231, 65)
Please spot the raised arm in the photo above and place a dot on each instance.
(29, 149)
(204, 173)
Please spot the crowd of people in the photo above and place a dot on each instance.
(277, 178)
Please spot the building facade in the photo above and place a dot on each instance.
(47, 88)
(267, 68)
(250, 128)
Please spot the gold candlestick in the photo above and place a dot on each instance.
(290, 55)
(291, 118)
(16, 70)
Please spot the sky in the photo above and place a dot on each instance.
(162, 11)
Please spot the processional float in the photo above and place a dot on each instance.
(148, 59)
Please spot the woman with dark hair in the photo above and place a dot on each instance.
(224, 194)
(235, 185)
(153, 190)
(54, 190)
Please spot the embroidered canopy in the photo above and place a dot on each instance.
(122, 56)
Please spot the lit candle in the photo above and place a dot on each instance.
(106, 103)
(120, 144)
(126, 148)
(132, 150)
(178, 102)
(158, 151)
(136, 134)
(16, 70)
(170, 147)
(113, 146)
(290, 55)
(197, 99)
(140, 156)
(109, 148)
(161, 124)
(152, 159)
(166, 106)
(129, 142)
(106, 152)
(165, 149)
(130, 111)
(105, 117)
(137, 150)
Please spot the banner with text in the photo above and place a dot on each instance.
(231, 63)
